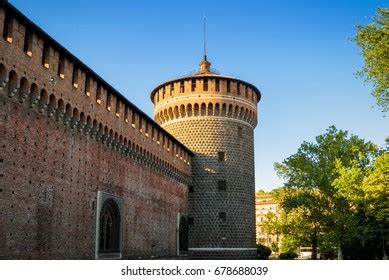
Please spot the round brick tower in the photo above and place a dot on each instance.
(214, 116)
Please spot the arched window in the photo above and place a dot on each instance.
(109, 227)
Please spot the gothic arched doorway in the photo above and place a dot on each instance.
(109, 228)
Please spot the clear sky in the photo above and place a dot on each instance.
(298, 53)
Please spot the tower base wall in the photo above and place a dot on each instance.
(244, 254)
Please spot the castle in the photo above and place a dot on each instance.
(85, 174)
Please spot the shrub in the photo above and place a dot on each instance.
(288, 256)
(263, 252)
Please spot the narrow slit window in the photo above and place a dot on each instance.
(193, 84)
(27, 48)
(126, 113)
(147, 129)
(217, 85)
(61, 66)
(205, 84)
(87, 86)
(228, 86)
(140, 124)
(163, 92)
(240, 132)
(133, 119)
(221, 156)
(182, 87)
(8, 28)
(98, 94)
(75, 76)
(46, 55)
(238, 88)
(109, 99)
(117, 108)
(171, 89)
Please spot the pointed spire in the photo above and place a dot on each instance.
(205, 37)
(205, 65)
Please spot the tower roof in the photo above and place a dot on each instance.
(205, 71)
(205, 66)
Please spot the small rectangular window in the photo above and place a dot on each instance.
(163, 92)
(190, 221)
(240, 132)
(190, 189)
(171, 89)
(205, 84)
(222, 185)
(228, 86)
(217, 85)
(193, 84)
(221, 156)
(238, 88)
(182, 87)
(222, 216)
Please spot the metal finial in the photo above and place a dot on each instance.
(205, 37)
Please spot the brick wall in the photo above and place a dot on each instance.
(67, 134)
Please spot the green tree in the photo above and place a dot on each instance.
(373, 38)
(309, 176)
(297, 223)
(366, 190)
(376, 189)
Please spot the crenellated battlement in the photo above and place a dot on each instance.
(205, 95)
(38, 72)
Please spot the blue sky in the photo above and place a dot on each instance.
(298, 53)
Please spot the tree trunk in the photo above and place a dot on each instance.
(314, 245)
(340, 252)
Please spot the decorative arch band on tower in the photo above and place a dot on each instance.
(205, 94)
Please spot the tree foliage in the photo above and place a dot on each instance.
(373, 38)
(330, 186)
(376, 189)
